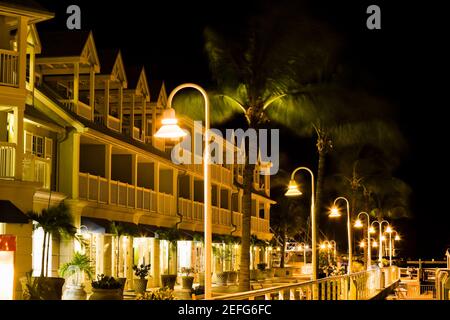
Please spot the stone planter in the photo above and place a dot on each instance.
(168, 280)
(140, 285)
(122, 282)
(232, 277)
(74, 292)
(222, 278)
(187, 282)
(106, 294)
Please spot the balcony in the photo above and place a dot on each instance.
(260, 225)
(9, 65)
(218, 173)
(95, 188)
(7, 160)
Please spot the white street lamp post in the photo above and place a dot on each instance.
(293, 190)
(334, 214)
(358, 224)
(380, 247)
(170, 129)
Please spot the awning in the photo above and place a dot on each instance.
(95, 225)
(9, 213)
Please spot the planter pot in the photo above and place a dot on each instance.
(187, 282)
(201, 278)
(168, 280)
(106, 294)
(232, 277)
(222, 278)
(122, 282)
(74, 292)
(47, 288)
(140, 285)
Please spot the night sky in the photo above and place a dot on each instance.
(404, 60)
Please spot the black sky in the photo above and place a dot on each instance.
(404, 61)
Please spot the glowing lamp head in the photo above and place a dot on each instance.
(397, 238)
(374, 244)
(169, 128)
(293, 190)
(372, 230)
(358, 223)
(383, 238)
(362, 244)
(389, 229)
(306, 246)
(322, 246)
(334, 212)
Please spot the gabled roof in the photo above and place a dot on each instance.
(75, 43)
(29, 8)
(137, 80)
(112, 64)
(155, 89)
(33, 38)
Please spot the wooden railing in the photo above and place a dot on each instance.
(7, 159)
(113, 123)
(358, 286)
(95, 188)
(9, 68)
(37, 169)
(84, 110)
(260, 225)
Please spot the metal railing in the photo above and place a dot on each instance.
(358, 286)
(9, 67)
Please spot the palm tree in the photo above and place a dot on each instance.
(55, 221)
(277, 56)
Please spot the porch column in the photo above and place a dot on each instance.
(155, 262)
(120, 107)
(18, 139)
(107, 255)
(69, 159)
(156, 184)
(106, 102)
(154, 107)
(129, 271)
(32, 67)
(22, 45)
(144, 119)
(191, 194)
(76, 85)
(92, 91)
(108, 154)
(132, 115)
(134, 167)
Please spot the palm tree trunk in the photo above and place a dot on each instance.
(48, 253)
(43, 254)
(118, 256)
(319, 187)
(244, 268)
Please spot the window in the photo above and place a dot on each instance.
(38, 146)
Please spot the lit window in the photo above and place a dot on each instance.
(38, 146)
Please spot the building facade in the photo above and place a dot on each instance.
(77, 125)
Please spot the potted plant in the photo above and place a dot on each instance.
(140, 285)
(106, 288)
(56, 222)
(260, 273)
(75, 270)
(171, 236)
(158, 294)
(222, 253)
(186, 279)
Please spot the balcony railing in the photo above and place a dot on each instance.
(363, 285)
(37, 169)
(260, 225)
(84, 110)
(95, 188)
(9, 68)
(7, 159)
(136, 133)
(113, 123)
